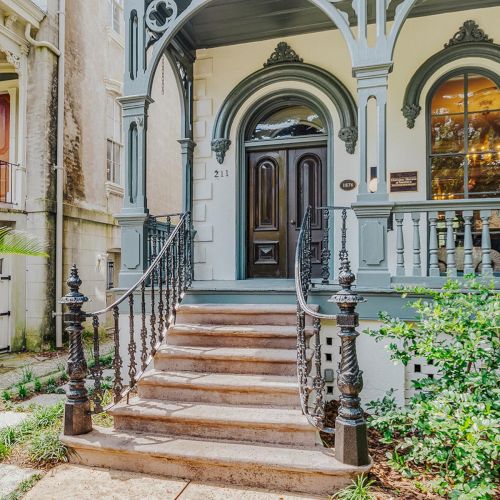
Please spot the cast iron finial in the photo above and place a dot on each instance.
(74, 296)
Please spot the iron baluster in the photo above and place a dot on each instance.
(325, 251)
(190, 250)
(182, 260)
(144, 332)
(160, 301)
(96, 370)
(152, 318)
(132, 348)
(318, 381)
(174, 280)
(77, 418)
(117, 362)
(168, 279)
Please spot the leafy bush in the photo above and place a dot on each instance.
(6, 396)
(451, 427)
(37, 385)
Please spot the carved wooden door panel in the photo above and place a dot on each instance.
(267, 217)
(307, 186)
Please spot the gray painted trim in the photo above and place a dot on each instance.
(411, 103)
(307, 73)
(268, 102)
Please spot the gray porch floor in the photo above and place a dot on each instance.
(251, 285)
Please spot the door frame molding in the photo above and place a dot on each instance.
(269, 102)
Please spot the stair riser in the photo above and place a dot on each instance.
(195, 340)
(210, 430)
(200, 365)
(272, 319)
(239, 473)
(217, 396)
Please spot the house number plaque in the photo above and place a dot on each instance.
(348, 185)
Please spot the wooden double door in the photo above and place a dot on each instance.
(281, 185)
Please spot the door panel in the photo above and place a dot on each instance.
(266, 252)
(281, 185)
(307, 174)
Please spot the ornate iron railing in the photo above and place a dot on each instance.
(160, 291)
(349, 381)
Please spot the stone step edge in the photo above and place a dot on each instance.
(243, 309)
(276, 455)
(156, 376)
(263, 331)
(145, 413)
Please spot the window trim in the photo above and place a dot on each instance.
(464, 70)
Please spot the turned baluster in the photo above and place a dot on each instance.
(400, 245)
(451, 263)
(417, 263)
(325, 251)
(487, 268)
(468, 244)
(433, 245)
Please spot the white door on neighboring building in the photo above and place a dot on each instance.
(5, 290)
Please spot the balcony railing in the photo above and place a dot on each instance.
(451, 238)
(7, 176)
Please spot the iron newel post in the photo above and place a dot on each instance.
(351, 443)
(77, 416)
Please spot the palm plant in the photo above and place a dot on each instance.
(20, 243)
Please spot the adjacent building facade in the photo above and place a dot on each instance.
(92, 166)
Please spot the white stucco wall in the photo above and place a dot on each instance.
(218, 71)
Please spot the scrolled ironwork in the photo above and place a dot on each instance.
(167, 277)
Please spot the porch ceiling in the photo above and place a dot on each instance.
(227, 22)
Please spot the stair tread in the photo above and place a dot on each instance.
(214, 413)
(238, 330)
(307, 460)
(249, 382)
(230, 353)
(249, 309)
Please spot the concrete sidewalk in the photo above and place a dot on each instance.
(86, 483)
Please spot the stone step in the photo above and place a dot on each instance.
(260, 336)
(227, 360)
(227, 422)
(221, 388)
(312, 471)
(239, 314)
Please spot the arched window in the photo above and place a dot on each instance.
(464, 136)
(286, 122)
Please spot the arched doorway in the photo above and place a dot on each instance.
(286, 170)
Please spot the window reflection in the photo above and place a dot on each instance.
(291, 121)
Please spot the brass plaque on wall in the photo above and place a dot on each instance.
(404, 181)
(348, 185)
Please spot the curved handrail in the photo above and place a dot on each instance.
(148, 272)
(298, 276)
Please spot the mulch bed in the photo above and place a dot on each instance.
(388, 482)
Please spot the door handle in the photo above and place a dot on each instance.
(293, 223)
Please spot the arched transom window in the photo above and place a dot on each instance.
(464, 137)
(287, 122)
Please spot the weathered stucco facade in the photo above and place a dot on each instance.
(93, 80)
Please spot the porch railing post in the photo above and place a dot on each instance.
(351, 441)
(77, 416)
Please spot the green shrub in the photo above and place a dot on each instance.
(451, 427)
(47, 448)
(6, 396)
(26, 375)
(22, 391)
(358, 490)
(37, 385)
